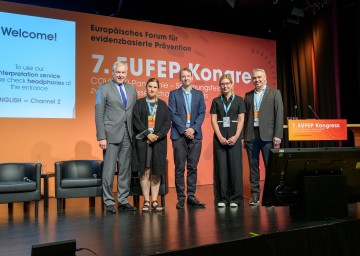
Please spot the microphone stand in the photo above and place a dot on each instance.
(295, 109)
(312, 110)
(317, 117)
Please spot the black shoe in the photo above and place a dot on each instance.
(192, 201)
(110, 209)
(126, 207)
(254, 201)
(180, 204)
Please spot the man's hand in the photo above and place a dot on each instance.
(102, 144)
(189, 133)
(276, 141)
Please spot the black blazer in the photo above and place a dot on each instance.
(162, 127)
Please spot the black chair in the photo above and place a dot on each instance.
(20, 182)
(78, 178)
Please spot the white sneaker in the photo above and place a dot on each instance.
(233, 205)
(221, 205)
(254, 201)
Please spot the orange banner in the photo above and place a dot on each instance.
(95, 43)
(324, 129)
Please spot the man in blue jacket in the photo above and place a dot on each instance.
(187, 113)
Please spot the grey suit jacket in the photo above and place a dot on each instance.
(111, 117)
(271, 115)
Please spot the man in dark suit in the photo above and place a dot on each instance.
(263, 126)
(187, 113)
(114, 106)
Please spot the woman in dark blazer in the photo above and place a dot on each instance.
(151, 123)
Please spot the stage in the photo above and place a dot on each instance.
(211, 231)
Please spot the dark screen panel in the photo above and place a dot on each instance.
(287, 167)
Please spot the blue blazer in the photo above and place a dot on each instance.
(178, 113)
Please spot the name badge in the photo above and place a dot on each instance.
(188, 118)
(151, 123)
(256, 118)
(226, 121)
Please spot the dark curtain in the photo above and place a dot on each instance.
(306, 72)
(349, 58)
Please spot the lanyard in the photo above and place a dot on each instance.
(152, 110)
(226, 108)
(188, 101)
(257, 103)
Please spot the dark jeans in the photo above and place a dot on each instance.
(253, 149)
(186, 152)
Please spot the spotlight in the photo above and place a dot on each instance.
(231, 2)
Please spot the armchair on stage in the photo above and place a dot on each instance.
(76, 179)
(20, 182)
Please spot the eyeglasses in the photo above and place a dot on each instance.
(223, 84)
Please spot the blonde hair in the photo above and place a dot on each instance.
(227, 76)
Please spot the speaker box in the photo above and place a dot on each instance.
(322, 197)
(60, 248)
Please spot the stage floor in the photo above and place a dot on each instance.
(136, 233)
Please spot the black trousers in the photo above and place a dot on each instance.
(228, 180)
(253, 149)
(186, 152)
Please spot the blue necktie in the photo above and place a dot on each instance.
(123, 97)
